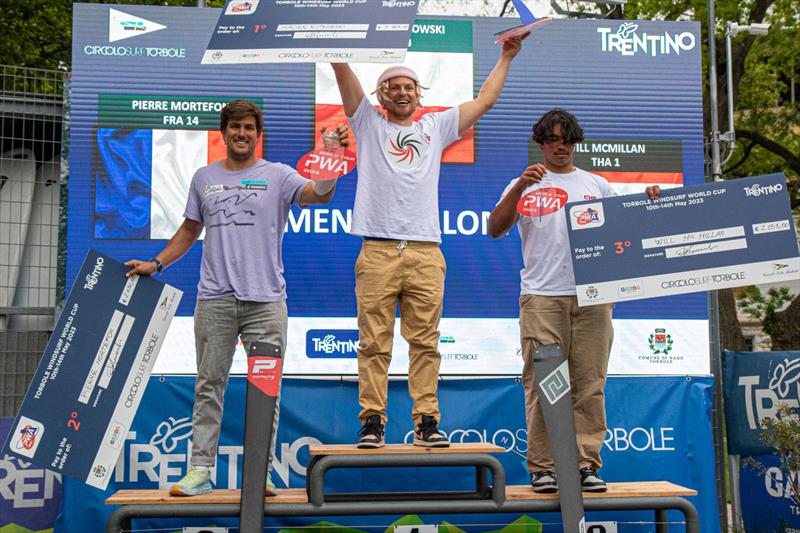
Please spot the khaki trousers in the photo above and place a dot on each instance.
(388, 273)
(585, 335)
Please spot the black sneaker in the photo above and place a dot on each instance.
(544, 482)
(371, 434)
(591, 482)
(427, 434)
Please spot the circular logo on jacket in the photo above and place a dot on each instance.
(405, 149)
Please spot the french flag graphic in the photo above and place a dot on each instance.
(142, 178)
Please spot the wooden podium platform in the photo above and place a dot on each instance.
(641, 489)
(658, 496)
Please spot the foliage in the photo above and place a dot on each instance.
(754, 303)
(767, 122)
(783, 434)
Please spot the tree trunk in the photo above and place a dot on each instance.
(787, 327)
(730, 331)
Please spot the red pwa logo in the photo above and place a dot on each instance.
(27, 437)
(542, 202)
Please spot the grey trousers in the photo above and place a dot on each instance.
(217, 326)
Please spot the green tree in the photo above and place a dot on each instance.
(783, 434)
(767, 309)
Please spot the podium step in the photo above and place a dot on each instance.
(396, 449)
(162, 497)
(630, 489)
(627, 489)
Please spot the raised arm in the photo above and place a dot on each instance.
(178, 245)
(504, 215)
(349, 87)
(470, 112)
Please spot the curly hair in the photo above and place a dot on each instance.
(239, 110)
(571, 131)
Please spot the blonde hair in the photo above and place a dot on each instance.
(382, 92)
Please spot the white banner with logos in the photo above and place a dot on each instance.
(469, 346)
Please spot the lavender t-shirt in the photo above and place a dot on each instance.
(244, 214)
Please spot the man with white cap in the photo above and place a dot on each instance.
(397, 213)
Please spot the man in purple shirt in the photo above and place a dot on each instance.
(243, 203)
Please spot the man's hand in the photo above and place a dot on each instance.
(512, 46)
(142, 268)
(653, 191)
(531, 175)
(344, 134)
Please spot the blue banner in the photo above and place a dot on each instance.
(139, 134)
(767, 497)
(30, 497)
(92, 374)
(631, 247)
(659, 429)
(754, 385)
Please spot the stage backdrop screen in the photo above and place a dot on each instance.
(144, 118)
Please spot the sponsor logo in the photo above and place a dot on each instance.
(780, 485)
(242, 7)
(332, 344)
(782, 386)
(164, 305)
(264, 366)
(556, 384)
(213, 189)
(399, 3)
(460, 356)
(254, 184)
(447, 339)
(640, 439)
(405, 149)
(27, 436)
(93, 277)
(116, 435)
(630, 289)
(265, 374)
(587, 216)
(216, 55)
(163, 457)
(131, 51)
(542, 202)
(760, 190)
(123, 25)
(592, 292)
(99, 471)
(780, 269)
(512, 440)
(660, 342)
(702, 280)
(628, 41)
(142, 371)
(589, 197)
(27, 487)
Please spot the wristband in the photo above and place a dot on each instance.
(159, 264)
(321, 188)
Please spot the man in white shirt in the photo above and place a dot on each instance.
(397, 213)
(549, 312)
